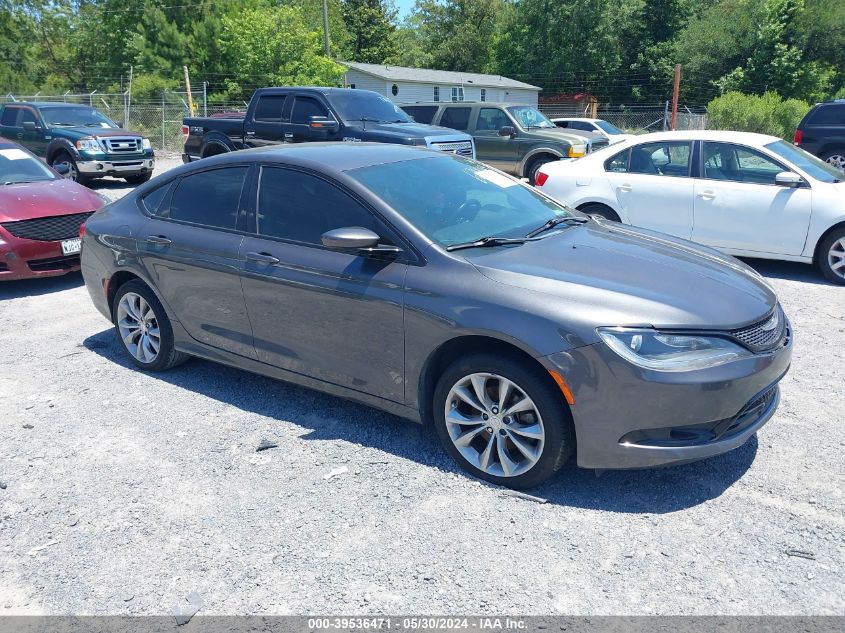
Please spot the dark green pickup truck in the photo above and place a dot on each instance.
(81, 138)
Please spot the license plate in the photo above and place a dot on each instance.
(69, 247)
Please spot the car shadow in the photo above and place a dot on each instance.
(655, 491)
(790, 271)
(39, 286)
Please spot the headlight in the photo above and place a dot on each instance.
(88, 144)
(670, 352)
(145, 143)
(577, 151)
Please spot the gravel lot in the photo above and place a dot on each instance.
(124, 492)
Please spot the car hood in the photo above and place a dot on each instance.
(101, 132)
(559, 134)
(610, 274)
(405, 130)
(42, 199)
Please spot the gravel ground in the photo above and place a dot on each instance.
(124, 492)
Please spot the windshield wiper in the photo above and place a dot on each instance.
(569, 219)
(487, 241)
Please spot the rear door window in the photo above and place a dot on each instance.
(209, 198)
(10, 117)
(456, 118)
(670, 158)
(269, 108)
(833, 114)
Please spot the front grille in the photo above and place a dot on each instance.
(57, 227)
(764, 335)
(461, 148)
(121, 144)
(54, 263)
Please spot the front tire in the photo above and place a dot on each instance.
(143, 328)
(139, 179)
(73, 173)
(831, 256)
(502, 420)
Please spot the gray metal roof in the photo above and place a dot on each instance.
(425, 75)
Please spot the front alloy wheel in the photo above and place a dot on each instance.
(494, 425)
(503, 419)
(138, 327)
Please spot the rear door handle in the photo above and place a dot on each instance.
(250, 132)
(626, 188)
(707, 195)
(158, 239)
(264, 258)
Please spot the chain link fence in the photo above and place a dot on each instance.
(159, 120)
(634, 119)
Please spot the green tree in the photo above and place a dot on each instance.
(273, 46)
(371, 28)
(764, 114)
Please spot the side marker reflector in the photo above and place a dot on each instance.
(567, 392)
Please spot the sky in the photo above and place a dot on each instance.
(404, 7)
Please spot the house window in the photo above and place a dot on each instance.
(484, 94)
(458, 93)
(394, 90)
(352, 86)
(437, 93)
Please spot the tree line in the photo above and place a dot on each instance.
(622, 51)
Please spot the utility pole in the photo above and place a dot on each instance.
(326, 27)
(128, 98)
(188, 90)
(675, 90)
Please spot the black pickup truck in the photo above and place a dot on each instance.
(301, 115)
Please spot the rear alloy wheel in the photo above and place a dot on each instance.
(144, 329)
(600, 211)
(502, 420)
(831, 257)
(835, 158)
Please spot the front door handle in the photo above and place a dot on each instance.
(264, 258)
(626, 187)
(707, 195)
(158, 239)
(250, 132)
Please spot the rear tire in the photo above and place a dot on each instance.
(143, 328)
(835, 158)
(600, 211)
(831, 256)
(140, 179)
(527, 434)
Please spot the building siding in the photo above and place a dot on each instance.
(411, 92)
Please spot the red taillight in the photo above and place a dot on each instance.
(186, 131)
(540, 179)
(82, 230)
(798, 135)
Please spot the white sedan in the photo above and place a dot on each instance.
(745, 194)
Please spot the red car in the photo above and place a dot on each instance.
(40, 216)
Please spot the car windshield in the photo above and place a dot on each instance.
(80, 116)
(367, 106)
(609, 128)
(530, 117)
(17, 166)
(454, 200)
(806, 162)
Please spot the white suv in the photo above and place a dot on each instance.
(612, 133)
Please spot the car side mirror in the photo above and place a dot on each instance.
(356, 238)
(789, 179)
(29, 126)
(507, 130)
(62, 169)
(324, 124)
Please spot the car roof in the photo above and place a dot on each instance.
(328, 157)
(50, 104)
(727, 136)
(575, 118)
(495, 104)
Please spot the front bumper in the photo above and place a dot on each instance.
(26, 259)
(116, 167)
(629, 417)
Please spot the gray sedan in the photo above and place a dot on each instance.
(443, 291)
